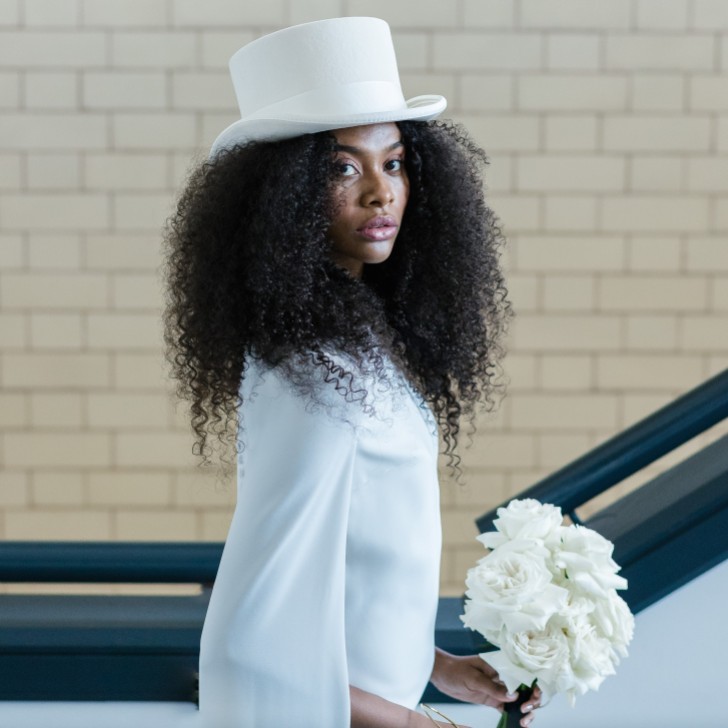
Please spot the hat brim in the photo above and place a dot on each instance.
(419, 108)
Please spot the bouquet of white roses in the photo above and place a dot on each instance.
(546, 596)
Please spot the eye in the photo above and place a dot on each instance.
(394, 165)
(345, 169)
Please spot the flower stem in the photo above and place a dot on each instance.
(511, 718)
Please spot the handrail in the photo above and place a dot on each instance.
(109, 562)
(630, 450)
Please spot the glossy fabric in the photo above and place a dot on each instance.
(330, 571)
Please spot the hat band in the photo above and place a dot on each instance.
(337, 102)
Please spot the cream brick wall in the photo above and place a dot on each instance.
(607, 128)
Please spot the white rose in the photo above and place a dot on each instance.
(524, 518)
(591, 658)
(511, 587)
(614, 621)
(586, 557)
(529, 656)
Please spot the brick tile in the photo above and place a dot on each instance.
(571, 51)
(192, 489)
(137, 292)
(51, 371)
(413, 50)
(458, 527)
(493, 14)
(314, 10)
(569, 293)
(10, 172)
(41, 449)
(707, 174)
(517, 213)
(654, 253)
(707, 254)
(659, 15)
(56, 331)
(160, 525)
(141, 211)
(504, 132)
(479, 92)
(54, 132)
(124, 13)
(13, 331)
(646, 373)
(14, 489)
(586, 14)
(569, 92)
(503, 451)
(217, 46)
(650, 214)
(129, 172)
(61, 290)
(215, 525)
(113, 90)
(566, 333)
(655, 173)
(705, 333)
(710, 15)
(154, 131)
(125, 411)
(570, 253)
(570, 213)
(651, 332)
(9, 90)
(123, 251)
(636, 407)
(520, 371)
(61, 211)
(58, 251)
(658, 92)
(11, 250)
(656, 133)
(124, 331)
(418, 84)
(708, 93)
(653, 293)
(9, 12)
(555, 451)
(571, 132)
(50, 410)
(560, 372)
(57, 524)
(140, 371)
(408, 13)
(216, 13)
(565, 412)
(131, 488)
(51, 91)
(487, 51)
(147, 49)
(57, 489)
(573, 172)
(50, 13)
(13, 409)
(53, 172)
(659, 52)
(52, 50)
(195, 91)
(154, 449)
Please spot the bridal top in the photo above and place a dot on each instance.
(329, 576)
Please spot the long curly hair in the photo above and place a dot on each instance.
(249, 272)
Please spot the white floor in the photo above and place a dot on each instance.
(673, 678)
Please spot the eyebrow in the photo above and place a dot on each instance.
(357, 150)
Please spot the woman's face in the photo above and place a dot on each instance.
(370, 193)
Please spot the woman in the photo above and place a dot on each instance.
(334, 297)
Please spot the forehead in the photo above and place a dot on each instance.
(370, 138)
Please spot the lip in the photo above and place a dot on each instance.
(382, 227)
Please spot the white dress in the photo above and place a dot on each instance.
(329, 575)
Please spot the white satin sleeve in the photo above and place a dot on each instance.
(273, 650)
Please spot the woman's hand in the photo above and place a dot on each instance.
(473, 680)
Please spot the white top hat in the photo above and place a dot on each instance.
(329, 74)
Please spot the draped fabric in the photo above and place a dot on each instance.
(329, 575)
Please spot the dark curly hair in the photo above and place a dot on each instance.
(249, 271)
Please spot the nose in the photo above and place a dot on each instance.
(377, 190)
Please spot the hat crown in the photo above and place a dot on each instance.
(325, 60)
